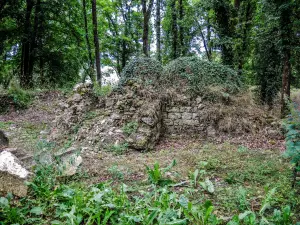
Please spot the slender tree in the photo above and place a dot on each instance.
(158, 30)
(96, 41)
(26, 80)
(181, 29)
(91, 64)
(174, 30)
(285, 25)
(147, 14)
(224, 29)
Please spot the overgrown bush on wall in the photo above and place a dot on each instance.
(146, 70)
(198, 75)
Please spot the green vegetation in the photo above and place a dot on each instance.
(142, 69)
(212, 48)
(21, 98)
(102, 91)
(130, 128)
(118, 149)
(51, 202)
(201, 75)
(292, 126)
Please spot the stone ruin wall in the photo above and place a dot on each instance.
(176, 116)
(155, 114)
(183, 116)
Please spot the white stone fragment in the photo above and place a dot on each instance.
(10, 164)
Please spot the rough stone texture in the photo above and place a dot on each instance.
(26, 159)
(70, 160)
(12, 175)
(99, 122)
(3, 140)
(182, 114)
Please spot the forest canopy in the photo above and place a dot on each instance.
(58, 43)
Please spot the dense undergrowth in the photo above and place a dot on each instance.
(292, 127)
(54, 201)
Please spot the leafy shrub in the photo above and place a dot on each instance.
(146, 70)
(21, 97)
(198, 75)
(6, 74)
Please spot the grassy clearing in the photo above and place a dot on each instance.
(208, 184)
(241, 177)
(23, 135)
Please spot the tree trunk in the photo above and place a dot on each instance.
(286, 31)
(91, 64)
(174, 29)
(181, 31)
(147, 15)
(34, 36)
(158, 31)
(224, 30)
(96, 41)
(25, 76)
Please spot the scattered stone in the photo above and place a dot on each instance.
(198, 100)
(82, 88)
(12, 175)
(44, 132)
(149, 121)
(76, 98)
(69, 165)
(211, 131)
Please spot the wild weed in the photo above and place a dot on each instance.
(156, 175)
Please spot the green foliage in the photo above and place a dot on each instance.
(51, 202)
(142, 69)
(102, 91)
(267, 58)
(6, 73)
(199, 75)
(21, 98)
(156, 175)
(116, 173)
(119, 149)
(130, 128)
(292, 127)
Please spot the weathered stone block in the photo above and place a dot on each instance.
(187, 116)
(195, 115)
(110, 102)
(149, 121)
(190, 122)
(201, 106)
(179, 115)
(12, 175)
(174, 109)
(198, 100)
(172, 116)
(168, 122)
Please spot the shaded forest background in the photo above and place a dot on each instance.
(57, 43)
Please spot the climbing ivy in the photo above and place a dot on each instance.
(199, 75)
